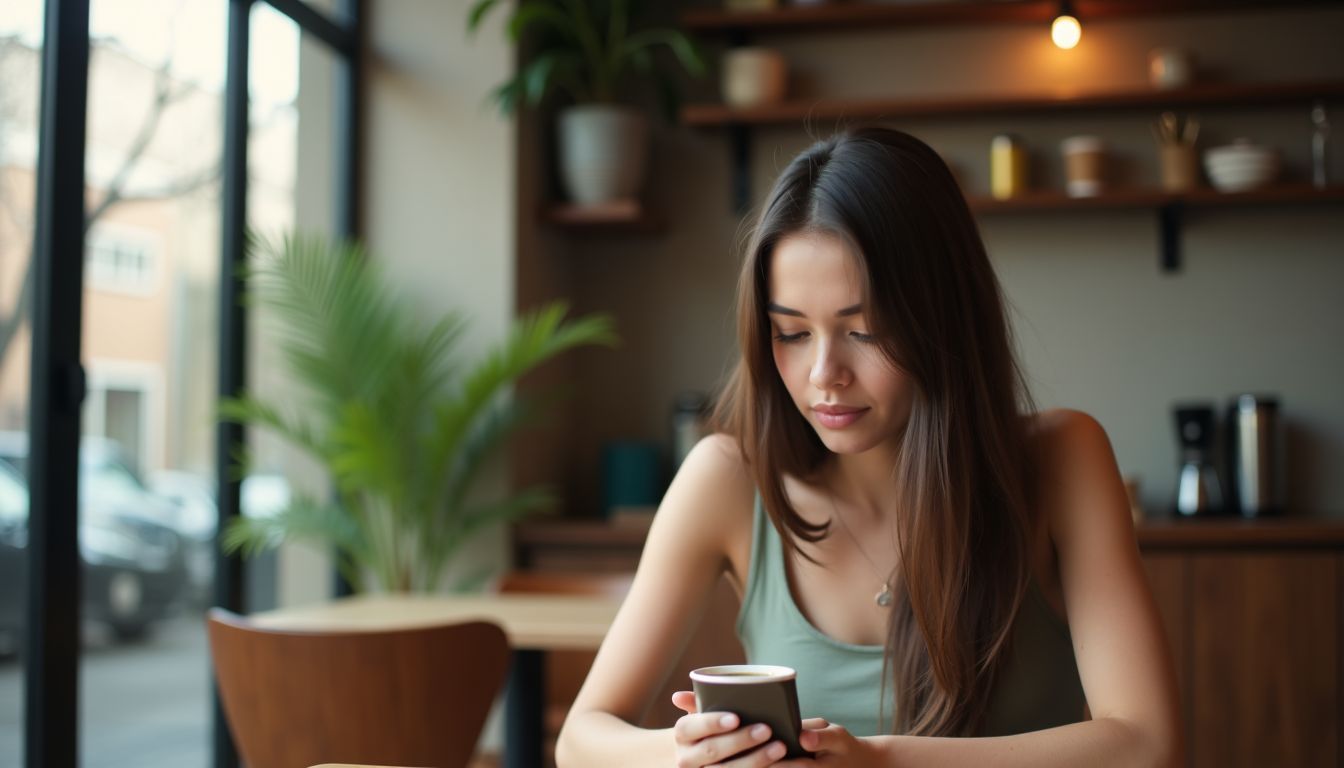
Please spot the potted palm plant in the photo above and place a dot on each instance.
(399, 424)
(590, 52)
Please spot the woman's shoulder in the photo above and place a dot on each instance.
(713, 478)
(707, 510)
(718, 464)
(1075, 464)
(1058, 431)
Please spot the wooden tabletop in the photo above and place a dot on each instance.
(534, 622)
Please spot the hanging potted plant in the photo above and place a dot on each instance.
(400, 424)
(591, 53)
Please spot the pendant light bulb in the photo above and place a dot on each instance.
(1066, 30)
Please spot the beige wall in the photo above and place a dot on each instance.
(440, 192)
(1255, 307)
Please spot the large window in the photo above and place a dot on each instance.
(152, 170)
(290, 178)
(156, 226)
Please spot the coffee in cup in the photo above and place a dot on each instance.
(756, 693)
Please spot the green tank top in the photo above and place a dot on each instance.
(1038, 686)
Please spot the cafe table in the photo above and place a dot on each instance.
(534, 624)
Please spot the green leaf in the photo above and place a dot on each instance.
(248, 410)
(541, 14)
(304, 519)
(687, 53)
(477, 14)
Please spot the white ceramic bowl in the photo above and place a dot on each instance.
(1240, 166)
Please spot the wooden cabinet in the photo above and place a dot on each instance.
(1252, 612)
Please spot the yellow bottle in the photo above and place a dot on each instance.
(1007, 167)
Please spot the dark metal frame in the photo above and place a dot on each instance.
(56, 391)
(346, 39)
(56, 385)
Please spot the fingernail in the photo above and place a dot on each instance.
(728, 721)
(760, 731)
(775, 751)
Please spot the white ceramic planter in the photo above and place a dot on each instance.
(603, 153)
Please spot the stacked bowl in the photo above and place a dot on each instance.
(1240, 166)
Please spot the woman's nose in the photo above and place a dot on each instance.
(828, 369)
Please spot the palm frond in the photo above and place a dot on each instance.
(338, 321)
(402, 426)
(305, 519)
(249, 410)
(533, 339)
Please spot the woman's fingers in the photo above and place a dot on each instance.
(827, 739)
(685, 701)
(715, 739)
(768, 754)
(695, 727)
(743, 748)
(815, 723)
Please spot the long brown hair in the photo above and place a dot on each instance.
(961, 483)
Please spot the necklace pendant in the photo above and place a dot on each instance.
(884, 597)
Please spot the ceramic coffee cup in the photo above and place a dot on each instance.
(756, 693)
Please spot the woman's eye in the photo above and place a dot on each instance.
(861, 336)
(789, 338)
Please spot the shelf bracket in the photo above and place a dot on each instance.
(1169, 228)
(739, 139)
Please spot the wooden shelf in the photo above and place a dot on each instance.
(1146, 198)
(1235, 532)
(626, 216)
(1204, 95)
(869, 14)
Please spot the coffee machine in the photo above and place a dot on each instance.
(1199, 490)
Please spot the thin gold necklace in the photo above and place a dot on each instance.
(883, 598)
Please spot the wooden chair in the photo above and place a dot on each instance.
(714, 641)
(396, 697)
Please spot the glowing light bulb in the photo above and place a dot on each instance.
(1065, 31)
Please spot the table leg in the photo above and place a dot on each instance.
(524, 710)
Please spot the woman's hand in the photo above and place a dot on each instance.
(832, 745)
(714, 738)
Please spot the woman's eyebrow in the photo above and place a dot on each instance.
(776, 309)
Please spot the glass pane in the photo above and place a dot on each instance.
(291, 182)
(20, 84)
(150, 347)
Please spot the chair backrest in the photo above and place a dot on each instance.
(395, 697)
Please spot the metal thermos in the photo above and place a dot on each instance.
(1253, 446)
(1198, 488)
(690, 414)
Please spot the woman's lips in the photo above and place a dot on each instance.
(837, 416)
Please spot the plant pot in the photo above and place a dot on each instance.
(603, 153)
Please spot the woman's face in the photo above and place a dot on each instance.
(834, 370)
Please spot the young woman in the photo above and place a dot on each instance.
(933, 557)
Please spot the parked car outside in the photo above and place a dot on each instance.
(195, 518)
(135, 568)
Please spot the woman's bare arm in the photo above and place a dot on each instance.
(684, 556)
